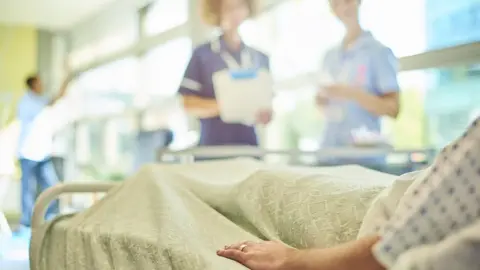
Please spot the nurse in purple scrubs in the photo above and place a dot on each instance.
(362, 85)
(197, 87)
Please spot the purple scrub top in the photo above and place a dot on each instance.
(205, 61)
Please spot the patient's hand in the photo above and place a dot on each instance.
(276, 256)
(262, 256)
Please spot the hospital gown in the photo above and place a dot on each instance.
(436, 224)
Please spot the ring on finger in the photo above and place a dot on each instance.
(242, 247)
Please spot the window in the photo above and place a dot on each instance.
(162, 71)
(436, 108)
(301, 37)
(451, 105)
(164, 15)
(387, 20)
(162, 68)
(408, 130)
(434, 111)
(260, 32)
(106, 146)
(451, 23)
(113, 43)
(304, 30)
(118, 76)
(81, 57)
(415, 26)
(310, 25)
(102, 47)
(119, 140)
(109, 88)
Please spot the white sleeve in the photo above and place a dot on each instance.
(445, 202)
(385, 204)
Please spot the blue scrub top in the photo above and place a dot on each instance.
(29, 107)
(205, 61)
(368, 64)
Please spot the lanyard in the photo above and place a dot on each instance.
(232, 64)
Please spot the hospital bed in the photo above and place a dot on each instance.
(248, 177)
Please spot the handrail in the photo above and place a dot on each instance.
(52, 193)
(225, 151)
(40, 209)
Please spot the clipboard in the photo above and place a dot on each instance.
(241, 94)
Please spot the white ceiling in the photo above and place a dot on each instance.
(49, 14)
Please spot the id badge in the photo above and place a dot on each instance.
(243, 74)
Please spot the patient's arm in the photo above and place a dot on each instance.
(277, 256)
(458, 251)
(353, 255)
(446, 201)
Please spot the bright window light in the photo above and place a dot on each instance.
(165, 14)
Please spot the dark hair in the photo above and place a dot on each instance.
(31, 80)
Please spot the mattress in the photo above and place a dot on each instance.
(177, 216)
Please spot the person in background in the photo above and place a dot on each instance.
(362, 83)
(197, 87)
(35, 148)
(149, 145)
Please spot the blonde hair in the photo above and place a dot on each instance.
(211, 10)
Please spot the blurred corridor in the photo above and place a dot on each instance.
(129, 58)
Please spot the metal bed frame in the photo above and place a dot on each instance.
(44, 200)
(187, 156)
(51, 194)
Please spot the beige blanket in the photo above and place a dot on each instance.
(177, 216)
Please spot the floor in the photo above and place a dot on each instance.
(14, 253)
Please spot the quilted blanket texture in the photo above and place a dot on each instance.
(177, 216)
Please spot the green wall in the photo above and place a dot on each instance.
(18, 59)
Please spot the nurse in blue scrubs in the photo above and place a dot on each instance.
(197, 88)
(363, 84)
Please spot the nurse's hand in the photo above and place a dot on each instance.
(321, 99)
(264, 116)
(341, 91)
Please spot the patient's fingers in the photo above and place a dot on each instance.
(238, 245)
(233, 254)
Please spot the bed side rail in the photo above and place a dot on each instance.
(187, 155)
(49, 195)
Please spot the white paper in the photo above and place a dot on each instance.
(240, 100)
(365, 136)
